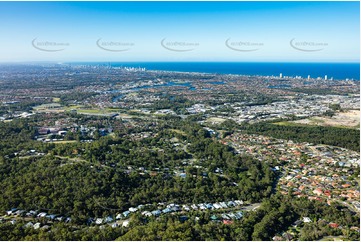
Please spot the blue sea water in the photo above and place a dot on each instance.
(338, 71)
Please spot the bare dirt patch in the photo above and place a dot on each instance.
(349, 119)
(215, 120)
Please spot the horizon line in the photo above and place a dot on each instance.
(181, 61)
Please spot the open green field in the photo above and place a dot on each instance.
(47, 106)
(113, 109)
(288, 123)
(63, 141)
(92, 111)
(70, 107)
(178, 131)
(332, 238)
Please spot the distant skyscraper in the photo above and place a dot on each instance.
(325, 77)
(280, 75)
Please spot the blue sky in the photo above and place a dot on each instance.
(191, 31)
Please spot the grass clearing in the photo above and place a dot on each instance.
(74, 106)
(287, 123)
(113, 109)
(332, 238)
(63, 141)
(47, 106)
(178, 131)
(93, 111)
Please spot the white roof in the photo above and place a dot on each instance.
(133, 209)
(125, 223)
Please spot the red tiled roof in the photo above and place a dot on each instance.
(227, 222)
(333, 225)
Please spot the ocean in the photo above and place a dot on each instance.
(337, 71)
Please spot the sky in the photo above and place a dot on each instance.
(180, 31)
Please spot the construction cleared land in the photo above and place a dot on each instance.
(349, 119)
